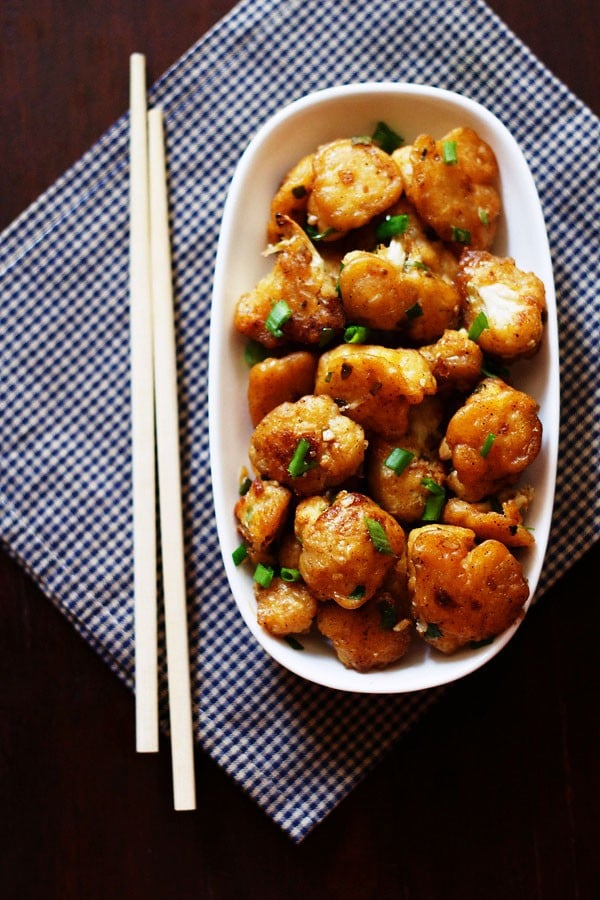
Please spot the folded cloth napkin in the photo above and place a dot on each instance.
(65, 462)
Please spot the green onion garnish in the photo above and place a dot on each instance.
(386, 138)
(390, 227)
(416, 264)
(279, 315)
(254, 353)
(493, 369)
(398, 460)
(461, 235)
(487, 444)
(479, 324)
(483, 216)
(298, 464)
(414, 311)
(378, 536)
(245, 485)
(316, 235)
(290, 575)
(433, 631)
(293, 642)
(449, 152)
(356, 334)
(388, 616)
(435, 500)
(263, 575)
(239, 554)
(358, 593)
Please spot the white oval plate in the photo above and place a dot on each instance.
(294, 131)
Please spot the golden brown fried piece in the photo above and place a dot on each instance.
(458, 199)
(368, 638)
(292, 197)
(375, 385)
(342, 558)
(461, 593)
(335, 445)
(261, 515)
(300, 279)
(513, 302)
(489, 523)
(491, 440)
(275, 380)
(455, 360)
(284, 607)
(353, 182)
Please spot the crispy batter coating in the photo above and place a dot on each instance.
(336, 444)
(513, 301)
(375, 385)
(462, 593)
(300, 278)
(292, 197)
(368, 638)
(486, 522)
(353, 182)
(261, 515)
(340, 560)
(455, 360)
(453, 195)
(277, 379)
(403, 495)
(503, 416)
(285, 608)
(407, 285)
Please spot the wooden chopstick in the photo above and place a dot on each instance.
(142, 421)
(169, 478)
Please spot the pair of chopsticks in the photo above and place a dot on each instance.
(155, 446)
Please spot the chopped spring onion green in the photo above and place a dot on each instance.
(263, 575)
(254, 353)
(298, 464)
(293, 642)
(433, 631)
(487, 444)
(434, 502)
(416, 264)
(290, 575)
(479, 324)
(378, 536)
(390, 227)
(483, 216)
(239, 554)
(449, 152)
(279, 315)
(398, 460)
(414, 311)
(461, 235)
(388, 615)
(356, 334)
(244, 486)
(493, 369)
(358, 593)
(386, 138)
(316, 235)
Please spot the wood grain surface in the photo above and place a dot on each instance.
(494, 795)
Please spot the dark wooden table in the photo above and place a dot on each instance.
(495, 795)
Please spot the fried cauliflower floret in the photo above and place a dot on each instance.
(455, 360)
(491, 440)
(513, 302)
(462, 593)
(459, 200)
(261, 514)
(353, 182)
(375, 385)
(285, 607)
(368, 638)
(335, 445)
(307, 510)
(487, 522)
(275, 380)
(341, 557)
(300, 279)
(292, 197)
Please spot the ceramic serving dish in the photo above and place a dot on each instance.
(294, 131)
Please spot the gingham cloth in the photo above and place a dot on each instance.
(64, 384)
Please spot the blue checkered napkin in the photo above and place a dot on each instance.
(64, 383)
